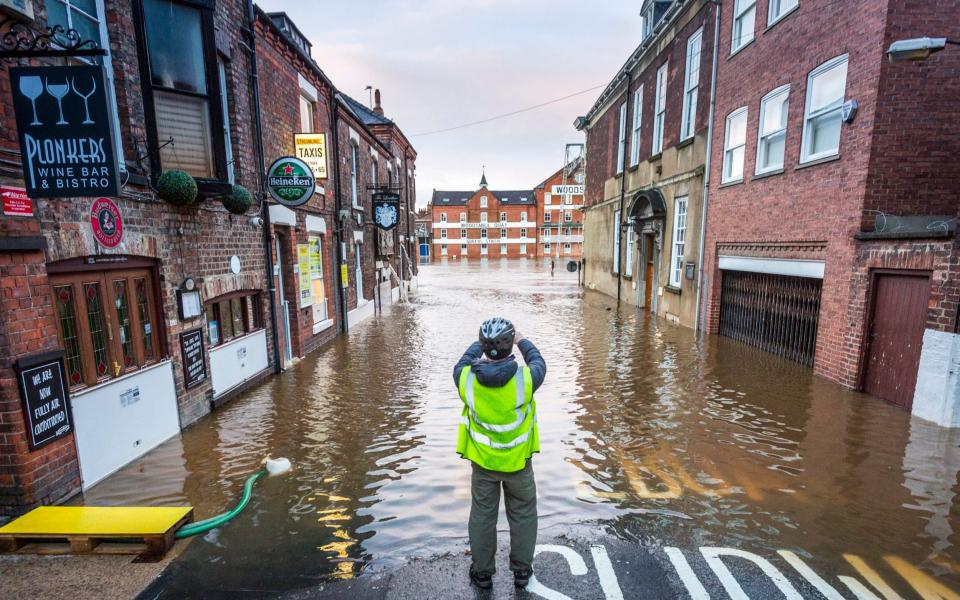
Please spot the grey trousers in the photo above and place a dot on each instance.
(520, 496)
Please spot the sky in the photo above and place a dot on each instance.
(443, 63)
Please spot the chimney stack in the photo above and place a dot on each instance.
(376, 102)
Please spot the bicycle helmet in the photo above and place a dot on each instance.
(496, 337)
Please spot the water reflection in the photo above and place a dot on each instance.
(660, 437)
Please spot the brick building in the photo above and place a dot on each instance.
(122, 312)
(483, 224)
(646, 150)
(559, 202)
(832, 218)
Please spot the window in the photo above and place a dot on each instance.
(179, 42)
(523, 232)
(503, 248)
(443, 217)
(778, 9)
(307, 111)
(566, 248)
(567, 216)
(546, 217)
(546, 247)
(463, 248)
(734, 144)
(225, 110)
(679, 235)
(628, 259)
(523, 217)
(354, 167)
(443, 250)
(318, 291)
(523, 248)
(621, 136)
(772, 133)
(86, 16)
(483, 233)
(443, 234)
(826, 86)
(503, 233)
(691, 86)
(568, 199)
(374, 171)
(463, 233)
(659, 109)
(616, 241)
(463, 217)
(647, 17)
(547, 198)
(635, 128)
(232, 317)
(107, 323)
(483, 201)
(503, 217)
(744, 15)
(483, 217)
(483, 248)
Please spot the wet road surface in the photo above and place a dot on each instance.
(669, 466)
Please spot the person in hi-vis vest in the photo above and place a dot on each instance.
(498, 434)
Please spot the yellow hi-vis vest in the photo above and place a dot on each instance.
(498, 426)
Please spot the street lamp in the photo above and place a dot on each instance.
(917, 48)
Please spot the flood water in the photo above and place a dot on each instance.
(646, 432)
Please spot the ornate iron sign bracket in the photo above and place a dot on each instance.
(19, 40)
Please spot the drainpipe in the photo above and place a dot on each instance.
(698, 316)
(623, 185)
(338, 223)
(264, 206)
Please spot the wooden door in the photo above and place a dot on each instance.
(648, 271)
(897, 318)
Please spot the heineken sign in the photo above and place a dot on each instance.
(290, 181)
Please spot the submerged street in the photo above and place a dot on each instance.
(670, 466)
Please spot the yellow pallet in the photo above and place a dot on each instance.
(84, 529)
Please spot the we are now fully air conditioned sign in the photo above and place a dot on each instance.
(65, 130)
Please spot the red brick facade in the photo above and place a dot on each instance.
(896, 158)
(512, 213)
(561, 219)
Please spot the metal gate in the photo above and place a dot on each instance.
(775, 313)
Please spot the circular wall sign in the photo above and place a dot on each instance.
(290, 181)
(235, 264)
(106, 222)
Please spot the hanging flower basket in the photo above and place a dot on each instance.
(177, 187)
(238, 201)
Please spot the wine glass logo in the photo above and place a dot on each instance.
(32, 88)
(58, 91)
(86, 98)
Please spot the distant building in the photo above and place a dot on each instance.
(484, 223)
(560, 213)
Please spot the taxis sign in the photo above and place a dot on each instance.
(311, 148)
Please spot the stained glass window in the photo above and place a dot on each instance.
(97, 329)
(143, 310)
(68, 329)
(123, 317)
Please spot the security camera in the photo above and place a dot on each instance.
(256, 221)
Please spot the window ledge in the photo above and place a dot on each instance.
(672, 290)
(740, 49)
(632, 168)
(684, 143)
(731, 183)
(782, 18)
(656, 157)
(766, 174)
(818, 161)
(322, 326)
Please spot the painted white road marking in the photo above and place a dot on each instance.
(730, 583)
(828, 591)
(608, 578)
(577, 567)
(859, 590)
(687, 576)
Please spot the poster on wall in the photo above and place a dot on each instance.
(194, 366)
(65, 130)
(46, 403)
(303, 275)
(318, 293)
(311, 148)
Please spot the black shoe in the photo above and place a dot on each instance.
(522, 578)
(484, 582)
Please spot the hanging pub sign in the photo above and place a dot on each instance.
(194, 367)
(106, 222)
(65, 129)
(311, 148)
(290, 181)
(386, 209)
(46, 403)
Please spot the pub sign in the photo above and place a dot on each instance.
(44, 394)
(386, 210)
(290, 181)
(65, 130)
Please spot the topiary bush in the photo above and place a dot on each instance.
(238, 201)
(177, 187)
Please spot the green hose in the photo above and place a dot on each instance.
(222, 518)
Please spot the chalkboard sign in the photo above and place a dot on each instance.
(194, 367)
(66, 133)
(46, 403)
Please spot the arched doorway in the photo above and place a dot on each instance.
(648, 212)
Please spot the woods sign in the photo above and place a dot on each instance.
(65, 130)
